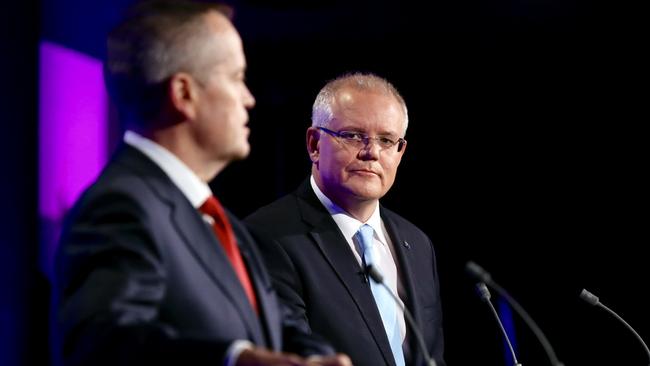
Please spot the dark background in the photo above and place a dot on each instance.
(526, 152)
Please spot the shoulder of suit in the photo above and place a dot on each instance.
(122, 181)
(400, 221)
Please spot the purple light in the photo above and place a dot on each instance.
(73, 134)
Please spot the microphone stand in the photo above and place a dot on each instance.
(485, 295)
(482, 275)
(593, 300)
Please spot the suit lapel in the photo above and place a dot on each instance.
(268, 307)
(405, 270)
(208, 251)
(338, 254)
(198, 236)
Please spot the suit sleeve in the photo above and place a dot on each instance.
(110, 281)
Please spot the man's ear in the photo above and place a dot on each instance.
(313, 148)
(183, 94)
(403, 148)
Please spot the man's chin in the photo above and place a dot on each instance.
(242, 153)
(365, 193)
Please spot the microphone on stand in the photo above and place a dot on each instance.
(378, 278)
(593, 300)
(482, 275)
(485, 295)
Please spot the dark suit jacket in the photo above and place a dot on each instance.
(142, 279)
(317, 275)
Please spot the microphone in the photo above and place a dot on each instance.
(592, 299)
(482, 275)
(378, 278)
(484, 293)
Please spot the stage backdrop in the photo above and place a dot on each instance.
(526, 151)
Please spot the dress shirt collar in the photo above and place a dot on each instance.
(194, 189)
(348, 224)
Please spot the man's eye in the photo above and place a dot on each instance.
(352, 136)
(386, 141)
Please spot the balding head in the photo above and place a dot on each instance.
(323, 108)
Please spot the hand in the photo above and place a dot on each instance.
(336, 360)
(257, 356)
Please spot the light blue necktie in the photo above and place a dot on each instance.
(385, 302)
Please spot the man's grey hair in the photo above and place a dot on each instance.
(322, 113)
(157, 39)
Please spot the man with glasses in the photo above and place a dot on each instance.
(319, 241)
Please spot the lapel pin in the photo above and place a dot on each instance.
(406, 244)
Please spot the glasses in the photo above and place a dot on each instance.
(360, 140)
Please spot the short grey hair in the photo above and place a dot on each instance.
(157, 39)
(322, 113)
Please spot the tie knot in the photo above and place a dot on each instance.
(212, 207)
(366, 233)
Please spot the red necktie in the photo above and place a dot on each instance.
(224, 232)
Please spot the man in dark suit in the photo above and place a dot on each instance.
(143, 277)
(313, 239)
